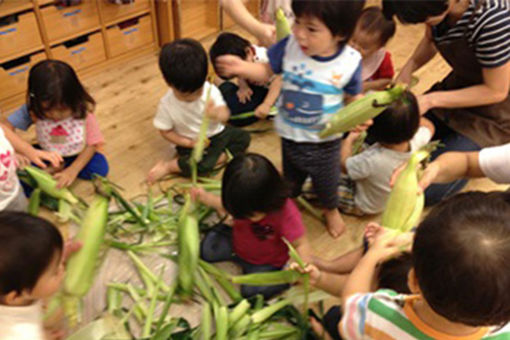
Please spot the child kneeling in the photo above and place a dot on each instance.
(254, 193)
(183, 64)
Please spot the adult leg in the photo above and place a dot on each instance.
(452, 141)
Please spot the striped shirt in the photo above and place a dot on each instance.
(486, 26)
(385, 315)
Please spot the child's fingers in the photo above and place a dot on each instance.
(395, 174)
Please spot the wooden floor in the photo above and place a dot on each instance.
(127, 98)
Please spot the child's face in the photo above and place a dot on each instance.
(57, 113)
(50, 281)
(187, 96)
(314, 37)
(366, 43)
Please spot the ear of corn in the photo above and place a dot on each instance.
(265, 313)
(282, 25)
(205, 323)
(82, 264)
(267, 279)
(221, 323)
(189, 248)
(239, 327)
(34, 202)
(361, 110)
(49, 185)
(404, 205)
(238, 312)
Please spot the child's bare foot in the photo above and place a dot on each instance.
(334, 222)
(161, 169)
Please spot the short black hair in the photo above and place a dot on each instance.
(414, 12)
(228, 43)
(183, 63)
(252, 184)
(372, 20)
(398, 122)
(53, 83)
(393, 273)
(339, 16)
(461, 257)
(29, 244)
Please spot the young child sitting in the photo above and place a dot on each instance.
(254, 193)
(183, 64)
(458, 280)
(31, 269)
(397, 133)
(372, 33)
(246, 96)
(319, 69)
(62, 111)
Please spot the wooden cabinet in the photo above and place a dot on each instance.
(82, 52)
(124, 39)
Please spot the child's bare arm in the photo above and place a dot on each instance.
(272, 95)
(208, 199)
(177, 139)
(328, 282)
(302, 246)
(346, 149)
(376, 85)
(428, 124)
(230, 65)
(67, 176)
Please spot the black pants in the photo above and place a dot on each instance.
(229, 92)
(217, 247)
(233, 139)
(320, 161)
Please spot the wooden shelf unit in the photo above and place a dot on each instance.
(87, 36)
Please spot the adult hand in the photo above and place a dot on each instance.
(262, 111)
(427, 178)
(266, 34)
(424, 103)
(229, 65)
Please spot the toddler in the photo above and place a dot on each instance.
(246, 96)
(254, 193)
(61, 109)
(183, 64)
(31, 269)
(397, 132)
(372, 33)
(319, 69)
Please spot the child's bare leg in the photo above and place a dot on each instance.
(319, 329)
(334, 222)
(341, 265)
(161, 169)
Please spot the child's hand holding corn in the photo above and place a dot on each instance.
(315, 273)
(216, 113)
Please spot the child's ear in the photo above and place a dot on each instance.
(13, 298)
(412, 282)
(250, 54)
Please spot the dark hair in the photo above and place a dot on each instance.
(339, 16)
(53, 83)
(183, 63)
(393, 273)
(398, 122)
(252, 184)
(29, 244)
(374, 22)
(228, 43)
(414, 12)
(461, 256)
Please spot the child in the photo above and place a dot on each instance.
(245, 96)
(459, 280)
(397, 134)
(254, 193)
(183, 64)
(61, 109)
(318, 68)
(31, 270)
(372, 33)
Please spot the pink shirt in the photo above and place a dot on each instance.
(261, 242)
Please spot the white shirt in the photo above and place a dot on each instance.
(21, 322)
(495, 163)
(372, 170)
(185, 118)
(9, 183)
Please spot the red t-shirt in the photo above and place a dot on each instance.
(385, 70)
(261, 242)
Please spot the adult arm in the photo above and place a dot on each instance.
(423, 53)
(494, 89)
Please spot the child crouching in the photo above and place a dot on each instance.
(254, 193)
(183, 64)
